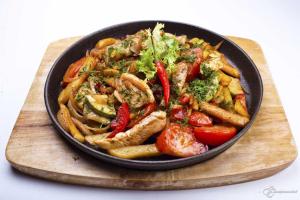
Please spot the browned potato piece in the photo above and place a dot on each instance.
(110, 72)
(228, 69)
(239, 108)
(235, 87)
(219, 96)
(224, 115)
(133, 152)
(105, 42)
(73, 86)
(227, 102)
(81, 127)
(92, 138)
(224, 79)
(65, 120)
(240, 105)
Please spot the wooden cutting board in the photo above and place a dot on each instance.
(37, 149)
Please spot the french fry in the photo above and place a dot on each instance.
(133, 152)
(228, 69)
(224, 115)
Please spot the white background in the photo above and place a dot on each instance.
(26, 27)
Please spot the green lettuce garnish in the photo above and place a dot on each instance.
(146, 60)
(158, 46)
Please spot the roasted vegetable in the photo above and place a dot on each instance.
(240, 105)
(98, 103)
(179, 141)
(214, 135)
(64, 118)
(133, 152)
(235, 87)
(223, 115)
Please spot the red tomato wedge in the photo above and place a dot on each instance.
(200, 119)
(194, 69)
(178, 140)
(214, 135)
(184, 99)
(73, 70)
(178, 114)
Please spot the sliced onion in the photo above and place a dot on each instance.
(83, 128)
(74, 112)
(88, 130)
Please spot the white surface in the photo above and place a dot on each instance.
(26, 27)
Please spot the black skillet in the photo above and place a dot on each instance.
(250, 78)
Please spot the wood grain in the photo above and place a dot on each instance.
(35, 147)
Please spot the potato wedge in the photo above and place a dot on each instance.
(66, 122)
(227, 103)
(133, 152)
(224, 79)
(224, 115)
(235, 87)
(105, 42)
(228, 69)
(92, 138)
(219, 96)
(240, 105)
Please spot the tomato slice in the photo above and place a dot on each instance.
(200, 119)
(214, 135)
(178, 140)
(194, 69)
(184, 99)
(178, 114)
(73, 70)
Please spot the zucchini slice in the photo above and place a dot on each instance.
(100, 108)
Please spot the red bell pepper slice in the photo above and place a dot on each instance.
(121, 121)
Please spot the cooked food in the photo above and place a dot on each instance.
(152, 93)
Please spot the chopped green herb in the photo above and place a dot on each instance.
(187, 58)
(205, 90)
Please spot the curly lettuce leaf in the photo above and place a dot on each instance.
(158, 46)
(166, 47)
(145, 64)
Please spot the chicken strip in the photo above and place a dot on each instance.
(133, 90)
(152, 124)
(179, 75)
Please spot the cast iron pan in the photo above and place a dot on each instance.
(250, 78)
